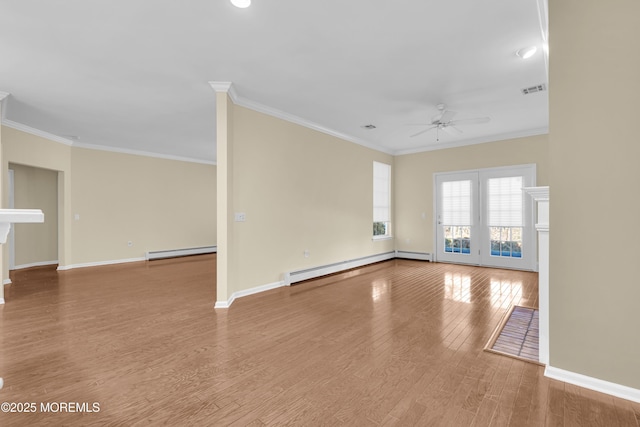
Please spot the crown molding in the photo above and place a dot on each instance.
(228, 87)
(221, 86)
(539, 194)
(141, 153)
(71, 143)
(474, 141)
(261, 108)
(37, 132)
(225, 87)
(3, 104)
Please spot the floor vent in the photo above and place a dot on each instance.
(517, 335)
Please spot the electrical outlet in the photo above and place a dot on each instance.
(306, 253)
(129, 243)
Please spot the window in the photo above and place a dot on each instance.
(381, 200)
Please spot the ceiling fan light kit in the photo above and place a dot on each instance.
(242, 4)
(443, 121)
(527, 52)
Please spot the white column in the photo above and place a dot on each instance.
(541, 195)
(224, 195)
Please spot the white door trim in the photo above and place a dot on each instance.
(12, 239)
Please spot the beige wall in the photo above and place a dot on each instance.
(301, 190)
(36, 188)
(26, 149)
(594, 179)
(156, 204)
(414, 181)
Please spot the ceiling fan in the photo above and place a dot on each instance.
(443, 121)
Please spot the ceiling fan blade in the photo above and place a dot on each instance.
(476, 121)
(452, 130)
(447, 116)
(422, 131)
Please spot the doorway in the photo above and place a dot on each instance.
(33, 245)
(484, 218)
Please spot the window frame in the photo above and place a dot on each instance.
(376, 205)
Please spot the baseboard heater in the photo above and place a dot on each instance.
(422, 256)
(311, 273)
(174, 253)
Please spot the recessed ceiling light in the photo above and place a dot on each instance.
(241, 3)
(527, 52)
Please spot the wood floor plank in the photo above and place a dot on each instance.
(555, 403)
(485, 412)
(394, 343)
(625, 413)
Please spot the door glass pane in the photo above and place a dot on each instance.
(505, 212)
(505, 201)
(457, 239)
(506, 241)
(456, 216)
(456, 202)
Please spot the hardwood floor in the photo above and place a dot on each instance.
(396, 343)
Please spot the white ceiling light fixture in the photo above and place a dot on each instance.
(527, 52)
(242, 4)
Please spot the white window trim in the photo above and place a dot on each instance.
(389, 233)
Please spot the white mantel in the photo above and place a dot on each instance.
(541, 196)
(9, 216)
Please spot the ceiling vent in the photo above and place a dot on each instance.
(534, 89)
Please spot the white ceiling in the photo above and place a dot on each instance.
(134, 74)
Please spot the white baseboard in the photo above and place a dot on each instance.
(1, 300)
(319, 271)
(174, 253)
(251, 291)
(34, 264)
(595, 384)
(224, 304)
(99, 263)
(7, 282)
(421, 256)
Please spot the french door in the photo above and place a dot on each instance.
(484, 218)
